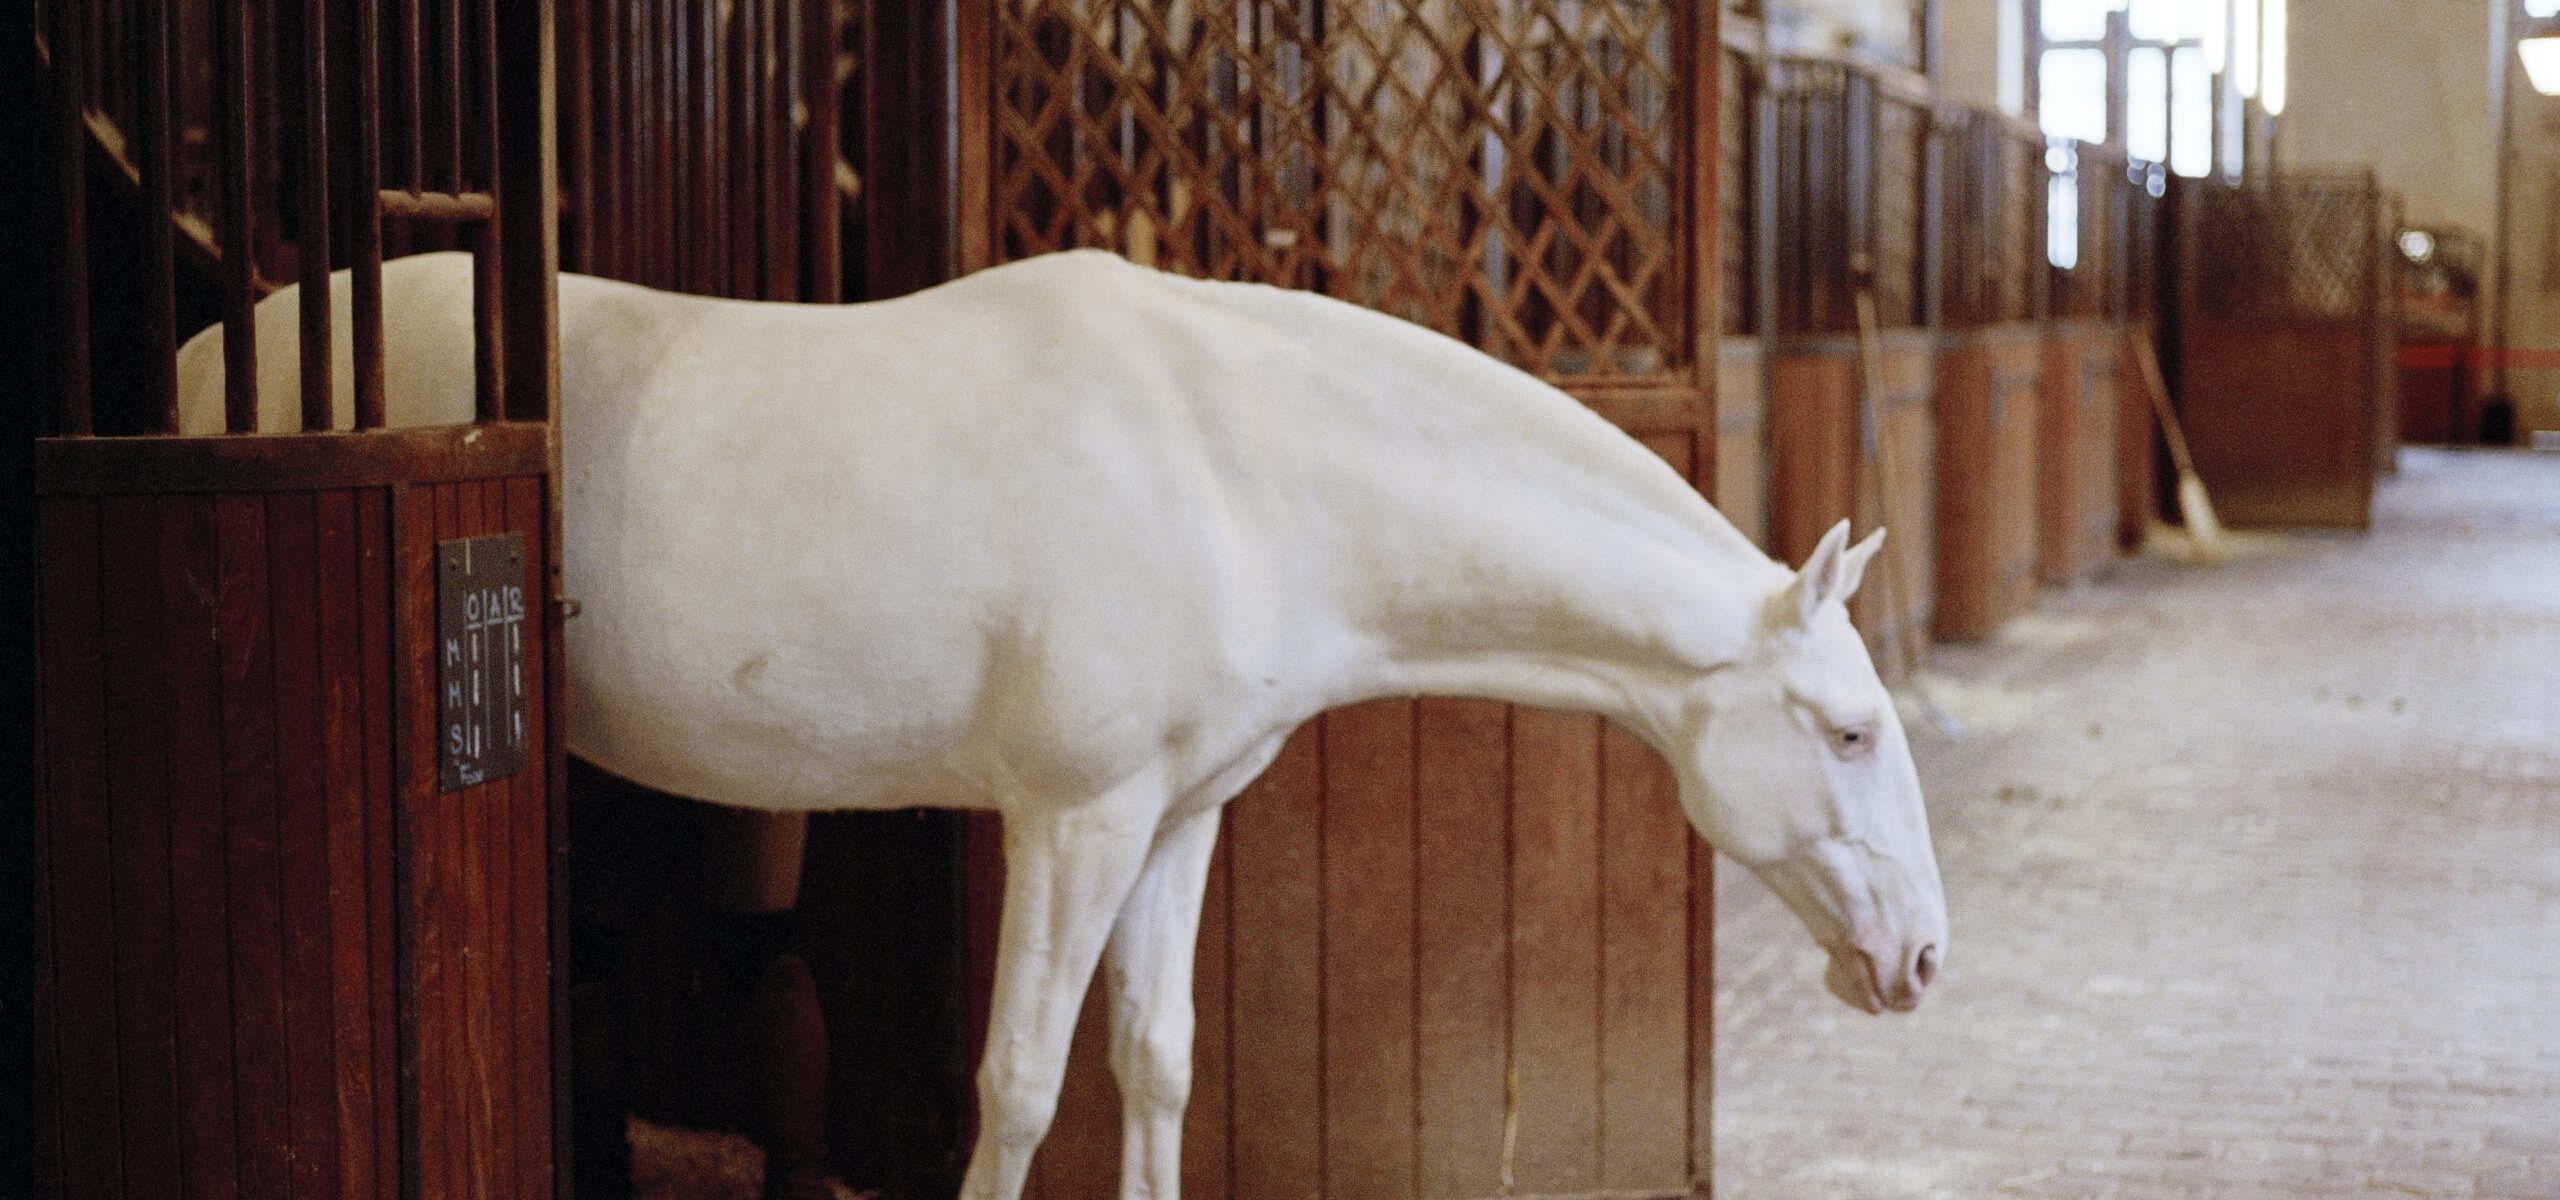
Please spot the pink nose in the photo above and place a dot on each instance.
(1876, 988)
(1902, 988)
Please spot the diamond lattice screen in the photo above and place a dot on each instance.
(2301, 248)
(1501, 170)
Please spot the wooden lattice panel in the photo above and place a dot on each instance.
(1503, 171)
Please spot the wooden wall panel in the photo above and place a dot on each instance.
(198, 845)
(2077, 452)
(1275, 856)
(2138, 444)
(1555, 949)
(2281, 430)
(1644, 968)
(1368, 967)
(1988, 388)
(137, 766)
(1813, 423)
(224, 993)
(70, 722)
(1820, 472)
(1462, 950)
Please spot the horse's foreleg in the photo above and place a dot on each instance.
(1066, 875)
(1148, 967)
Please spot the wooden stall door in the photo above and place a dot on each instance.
(2279, 378)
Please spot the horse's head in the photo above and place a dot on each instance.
(1797, 768)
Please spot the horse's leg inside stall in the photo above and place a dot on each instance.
(1066, 874)
(752, 861)
(1148, 967)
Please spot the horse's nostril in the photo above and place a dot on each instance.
(1925, 968)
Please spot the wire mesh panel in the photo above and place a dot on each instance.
(1739, 187)
(1505, 172)
(1897, 236)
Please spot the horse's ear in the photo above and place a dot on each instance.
(1853, 564)
(1831, 572)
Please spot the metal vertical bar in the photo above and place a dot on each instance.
(71, 251)
(414, 104)
(454, 92)
(527, 157)
(488, 265)
(159, 238)
(364, 217)
(313, 200)
(575, 60)
(239, 216)
(821, 91)
(743, 150)
(779, 83)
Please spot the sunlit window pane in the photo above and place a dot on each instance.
(2234, 139)
(2062, 221)
(2146, 105)
(2190, 114)
(2154, 20)
(2200, 20)
(2074, 103)
(2077, 20)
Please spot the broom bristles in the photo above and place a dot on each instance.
(2203, 529)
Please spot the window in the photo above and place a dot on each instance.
(2137, 70)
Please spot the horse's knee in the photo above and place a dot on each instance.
(1014, 1108)
(1153, 1064)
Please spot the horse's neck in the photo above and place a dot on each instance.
(1505, 543)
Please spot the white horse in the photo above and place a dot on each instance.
(1082, 543)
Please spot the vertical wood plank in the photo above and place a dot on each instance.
(467, 866)
(1275, 830)
(1702, 1024)
(1368, 942)
(137, 722)
(302, 843)
(1206, 1137)
(342, 733)
(488, 825)
(249, 799)
(46, 1095)
(1644, 984)
(427, 1169)
(1555, 941)
(77, 855)
(529, 835)
(1462, 944)
(436, 978)
(382, 800)
(190, 557)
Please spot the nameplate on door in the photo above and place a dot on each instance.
(481, 719)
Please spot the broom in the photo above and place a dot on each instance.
(2203, 530)
(1880, 457)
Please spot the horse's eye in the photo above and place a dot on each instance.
(1854, 740)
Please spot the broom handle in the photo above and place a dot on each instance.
(1871, 359)
(2159, 389)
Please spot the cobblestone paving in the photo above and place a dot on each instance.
(2254, 884)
